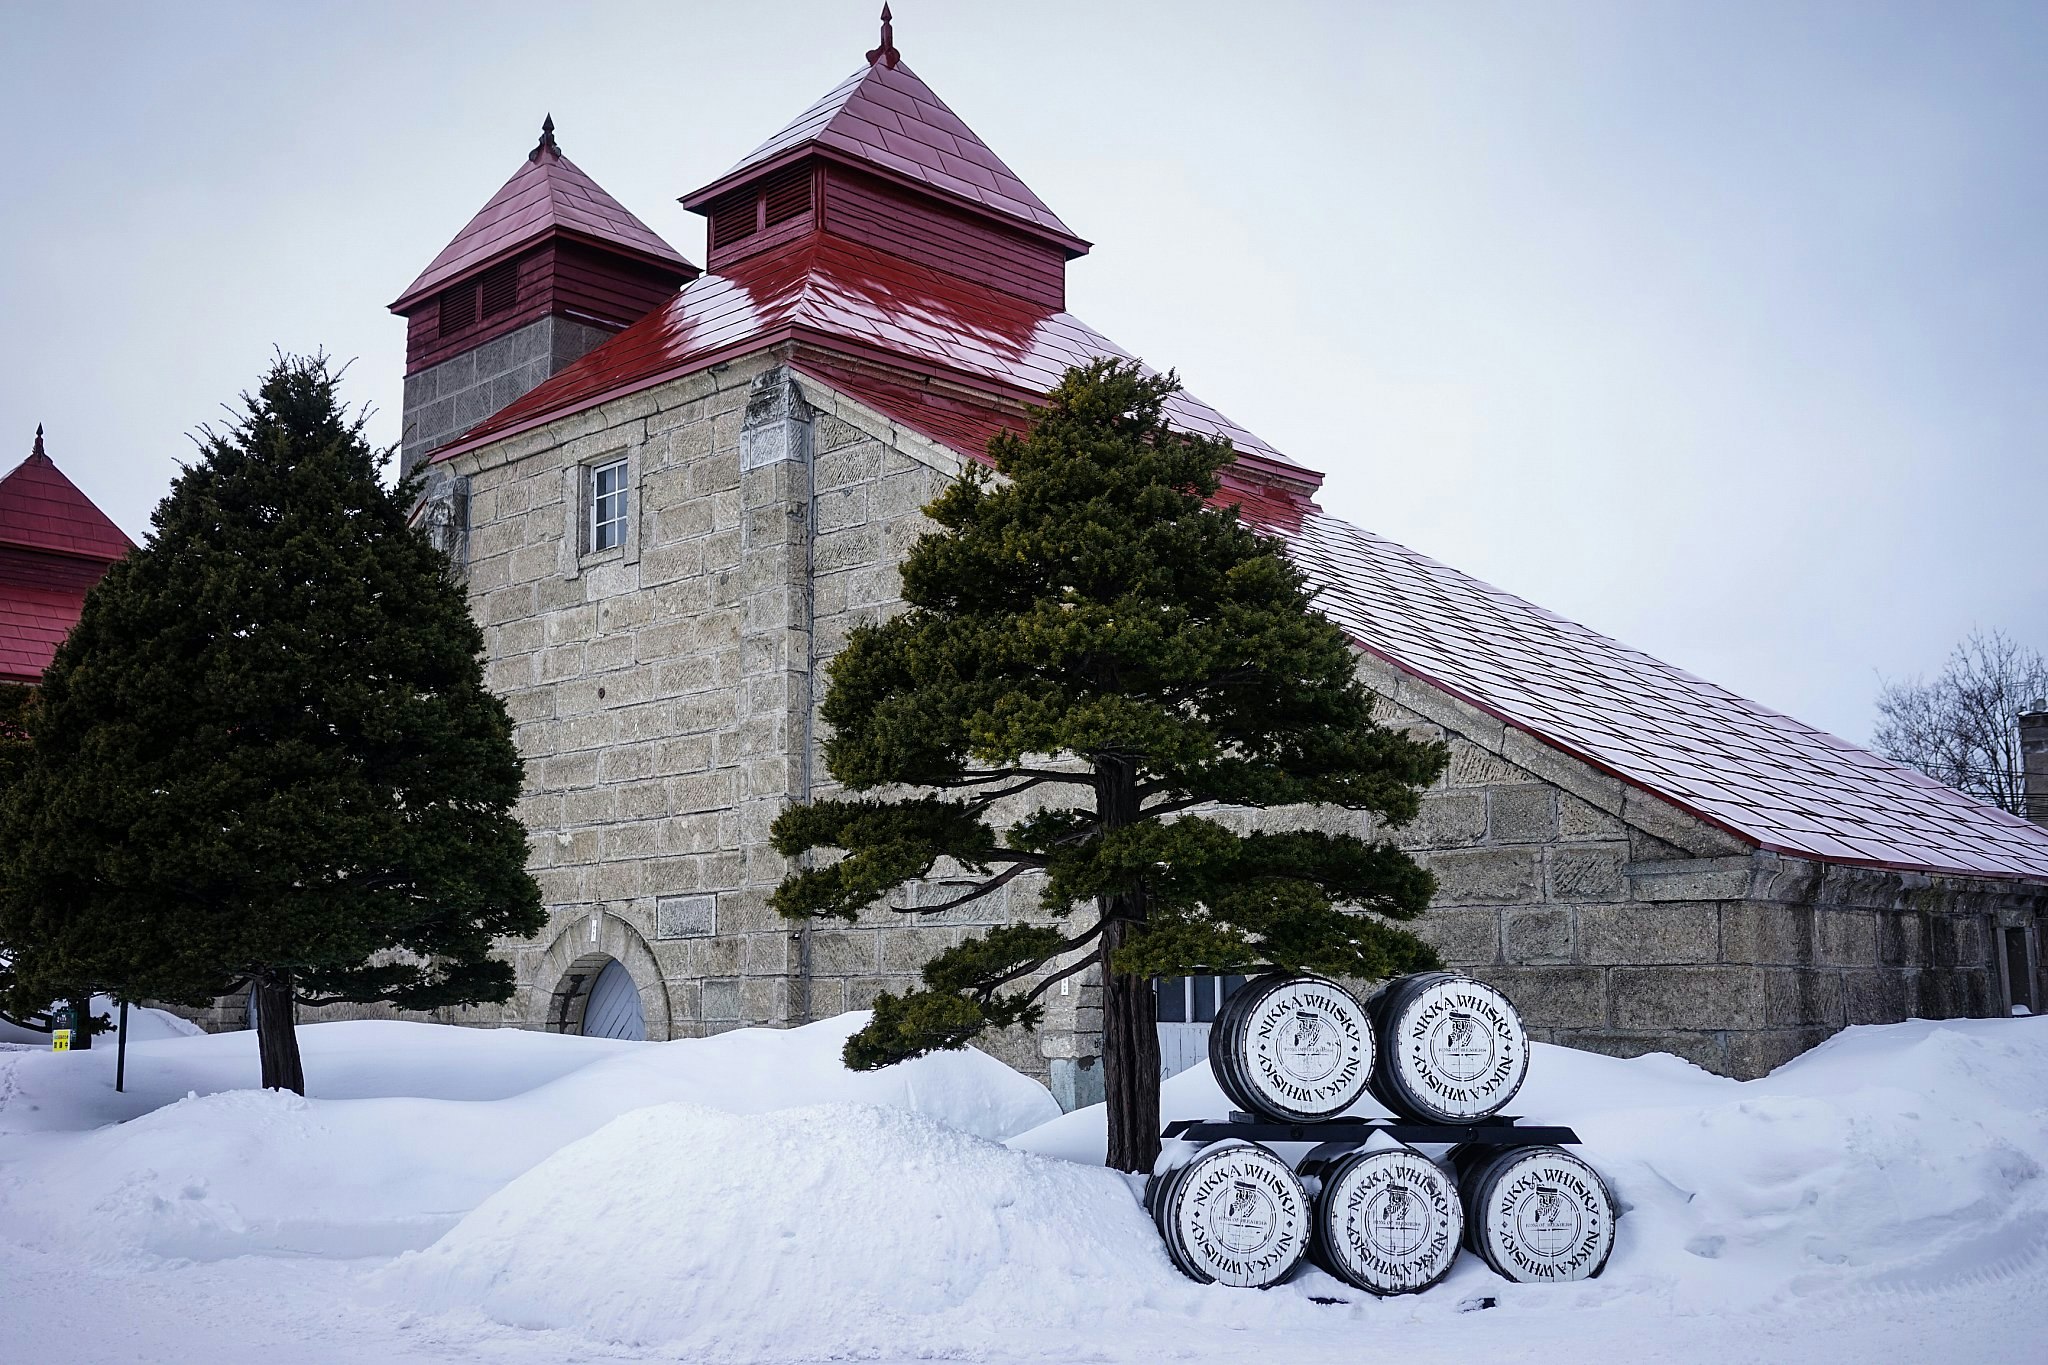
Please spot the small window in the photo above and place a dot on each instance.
(608, 510)
(1194, 999)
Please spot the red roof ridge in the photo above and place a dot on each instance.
(549, 194)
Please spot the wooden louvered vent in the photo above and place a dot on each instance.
(499, 288)
(734, 218)
(787, 195)
(458, 308)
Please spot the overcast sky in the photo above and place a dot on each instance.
(1719, 327)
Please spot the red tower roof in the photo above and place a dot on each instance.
(40, 509)
(54, 545)
(548, 195)
(884, 118)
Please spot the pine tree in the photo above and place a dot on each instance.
(1089, 631)
(265, 758)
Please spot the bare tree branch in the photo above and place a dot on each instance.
(1961, 729)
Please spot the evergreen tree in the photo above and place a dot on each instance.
(265, 758)
(1088, 630)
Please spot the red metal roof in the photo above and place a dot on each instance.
(885, 118)
(33, 622)
(850, 297)
(548, 194)
(54, 545)
(40, 509)
(1763, 776)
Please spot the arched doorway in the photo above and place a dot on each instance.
(598, 998)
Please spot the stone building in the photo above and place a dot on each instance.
(674, 493)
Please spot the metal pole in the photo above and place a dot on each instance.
(121, 1050)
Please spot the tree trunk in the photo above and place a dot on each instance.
(277, 1033)
(81, 1022)
(1130, 1030)
(1130, 1061)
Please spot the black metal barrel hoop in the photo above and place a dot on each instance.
(1536, 1214)
(1224, 1047)
(1236, 1214)
(1388, 1221)
(1451, 1049)
(1299, 1049)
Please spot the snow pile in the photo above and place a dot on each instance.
(1907, 1157)
(836, 1230)
(249, 1171)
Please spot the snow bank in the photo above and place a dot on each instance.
(836, 1230)
(1906, 1158)
(248, 1171)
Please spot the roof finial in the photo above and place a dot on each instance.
(886, 54)
(547, 140)
(39, 443)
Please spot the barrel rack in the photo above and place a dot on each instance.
(1502, 1130)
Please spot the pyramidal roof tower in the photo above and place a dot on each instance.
(54, 546)
(546, 270)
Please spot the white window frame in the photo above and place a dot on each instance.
(620, 500)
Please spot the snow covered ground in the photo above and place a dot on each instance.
(447, 1194)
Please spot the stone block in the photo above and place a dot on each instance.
(1899, 942)
(1701, 1049)
(1554, 997)
(1521, 815)
(846, 952)
(1719, 997)
(1472, 766)
(1848, 938)
(1578, 820)
(722, 999)
(1536, 936)
(685, 916)
(1588, 873)
(1878, 995)
(1490, 876)
(1760, 931)
(1675, 931)
(1689, 879)
(764, 1000)
(1804, 997)
(1760, 1052)
(1464, 938)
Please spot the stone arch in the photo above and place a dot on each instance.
(577, 952)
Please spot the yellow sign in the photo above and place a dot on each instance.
(60, 1040)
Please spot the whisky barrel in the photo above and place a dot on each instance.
(1235, 1214)
(1293, 1048)
(1387, 1221)
(1451, 1049)
(1535, 1214)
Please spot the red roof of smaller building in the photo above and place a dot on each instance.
(40, 509)
(549, 194)
(886, 119)
(54, 545)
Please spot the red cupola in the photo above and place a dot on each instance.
(54, 546)
(882, 162)
(546, 270)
